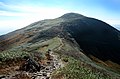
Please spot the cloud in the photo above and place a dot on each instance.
(7, 13)
(18, 10)
(25, 15)
(33, 14)
(113, 21)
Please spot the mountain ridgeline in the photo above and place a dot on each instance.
(96, 38)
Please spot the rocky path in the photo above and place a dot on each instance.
(45, 73)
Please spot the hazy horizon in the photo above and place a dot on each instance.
(15, 14)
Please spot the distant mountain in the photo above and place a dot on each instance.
(86, 36)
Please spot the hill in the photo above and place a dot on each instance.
(80, 39)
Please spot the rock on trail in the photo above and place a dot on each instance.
(45, 73)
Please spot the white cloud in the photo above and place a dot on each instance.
(47, 12)
(113, 21)
(26, 16)
(31, 14)
(7, 13)
(11, 25)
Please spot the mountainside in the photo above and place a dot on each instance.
(96, 38)
(72, 34)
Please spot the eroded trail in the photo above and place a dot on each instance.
(53, 64)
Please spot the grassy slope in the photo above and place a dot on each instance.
(23, 50)
(74, 68)
(14, 57)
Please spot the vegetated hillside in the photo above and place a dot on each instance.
(72, 34)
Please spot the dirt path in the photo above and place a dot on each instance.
(61, 44)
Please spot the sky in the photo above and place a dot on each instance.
(15, 14)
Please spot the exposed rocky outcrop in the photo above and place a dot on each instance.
(30, 65)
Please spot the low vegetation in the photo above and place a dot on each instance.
(73, 69)
(76, 69)
(10, 54)
(21, 51)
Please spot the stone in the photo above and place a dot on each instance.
(2, 76)
(44, 74)
(30, 65)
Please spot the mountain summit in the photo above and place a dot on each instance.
(83, 38)
(71, 16)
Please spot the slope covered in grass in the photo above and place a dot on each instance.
(75, 69)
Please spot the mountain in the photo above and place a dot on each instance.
(72, 34)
